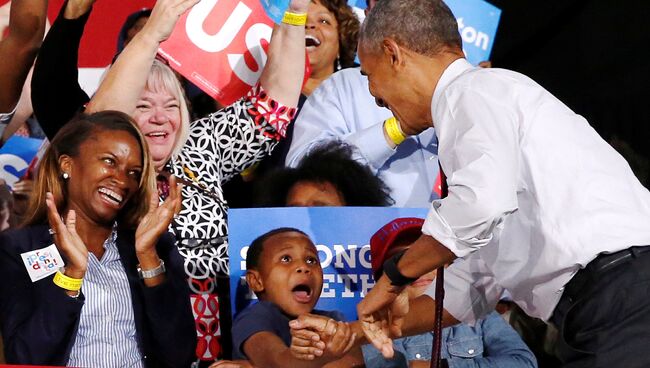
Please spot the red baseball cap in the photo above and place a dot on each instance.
(382, 241)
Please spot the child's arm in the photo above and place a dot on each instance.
(265, 349)
(308, 331)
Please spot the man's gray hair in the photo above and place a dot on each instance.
(423, 26)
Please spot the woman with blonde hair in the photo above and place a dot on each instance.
(120, 298)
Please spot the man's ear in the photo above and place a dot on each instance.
(393, 52)
(254, 280)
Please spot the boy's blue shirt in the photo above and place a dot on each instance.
(265, 316)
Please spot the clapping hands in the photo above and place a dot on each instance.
(67, 240)
(157, 220)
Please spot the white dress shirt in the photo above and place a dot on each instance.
(343, 108)
(535, 193)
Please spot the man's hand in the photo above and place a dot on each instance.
(381, 314)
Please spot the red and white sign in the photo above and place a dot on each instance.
(220, 45)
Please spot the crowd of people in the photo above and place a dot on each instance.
(131, 197)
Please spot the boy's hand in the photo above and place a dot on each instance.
(317, 336)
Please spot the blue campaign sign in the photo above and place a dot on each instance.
(341, 235)
(477, 24)
(275, 9)
(15, 157)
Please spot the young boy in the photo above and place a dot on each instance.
(283, 269)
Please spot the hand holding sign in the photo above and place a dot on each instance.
(299, 6)
(67, 240)
(164, 16)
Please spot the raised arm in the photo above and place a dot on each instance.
(281, 78)
(284, 71)
(127, 77)
(56, 93)
(18, 50)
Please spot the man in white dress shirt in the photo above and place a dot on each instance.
(539, 205)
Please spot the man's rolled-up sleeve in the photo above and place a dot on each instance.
(479, 151)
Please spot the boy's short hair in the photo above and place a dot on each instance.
(255, 250)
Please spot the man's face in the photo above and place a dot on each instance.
(391, 87)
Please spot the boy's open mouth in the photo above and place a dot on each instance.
(302, 293)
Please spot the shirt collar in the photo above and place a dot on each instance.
(454, 69)
(110, 245)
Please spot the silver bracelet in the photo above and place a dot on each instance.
(148, 274)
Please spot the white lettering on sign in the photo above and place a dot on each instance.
(472, 36)
(242, 253)
(254, 36)
(328, 292)
(344, 256)
(14, 161)
(219, 41)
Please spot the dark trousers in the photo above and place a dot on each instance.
(603, 316)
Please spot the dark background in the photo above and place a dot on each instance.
(593, 55)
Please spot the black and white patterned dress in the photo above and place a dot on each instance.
(219, 147)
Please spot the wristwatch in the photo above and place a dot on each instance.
(392, 272)
(148, 274)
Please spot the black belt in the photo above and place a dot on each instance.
(607, 261)
(603, 263)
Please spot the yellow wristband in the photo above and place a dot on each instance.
(294, 19)
(66, 282)
(394, 131)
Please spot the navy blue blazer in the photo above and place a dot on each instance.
(39, 320)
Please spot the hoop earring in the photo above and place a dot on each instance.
(65, 176)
